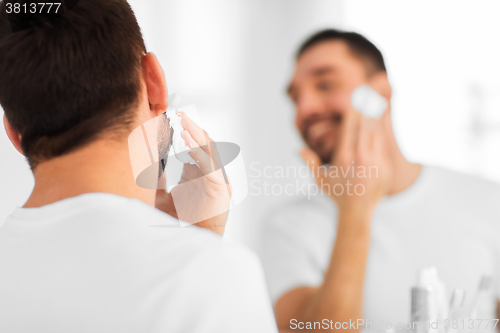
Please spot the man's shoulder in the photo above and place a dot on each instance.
(451, 174)
(463, 193)
(164, 246)
(132, 215)
(464, 184)
(302, 214)
(229, 274)
(133, 227)
(227, 257)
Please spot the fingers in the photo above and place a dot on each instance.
(379, 142)
(364, 134)
(213, 152)
(195, 131)
(348, 138)
(313, 162)
(204, 150)
(203, 141)
(366, 139)
(201, 157)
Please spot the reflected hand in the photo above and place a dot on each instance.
(362, 148)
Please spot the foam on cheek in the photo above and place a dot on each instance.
(181, 150)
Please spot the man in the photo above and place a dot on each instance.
(88, 251)
(347, 254)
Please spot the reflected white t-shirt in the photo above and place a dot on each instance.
(445, 219)
(104, 263)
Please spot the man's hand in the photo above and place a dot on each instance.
(359, 174)
(203, 194)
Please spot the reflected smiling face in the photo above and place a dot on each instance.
(325, 76)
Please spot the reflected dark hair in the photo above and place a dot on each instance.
(361, 47)
(69, 80)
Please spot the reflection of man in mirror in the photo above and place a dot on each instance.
(341, 256)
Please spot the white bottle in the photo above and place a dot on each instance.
(429, 303)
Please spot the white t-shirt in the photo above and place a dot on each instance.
(445, 219)
(104, 263)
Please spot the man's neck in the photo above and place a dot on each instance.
(404, 172)
(102, 166)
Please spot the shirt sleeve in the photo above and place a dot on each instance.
(295, 248)
(230, 294)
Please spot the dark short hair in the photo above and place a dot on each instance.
(67, 81)
(361, 47)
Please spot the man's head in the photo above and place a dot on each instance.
(77, 78)
(329, 66)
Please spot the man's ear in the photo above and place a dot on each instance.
(155, 84)
(380, 82)
(13, 135)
